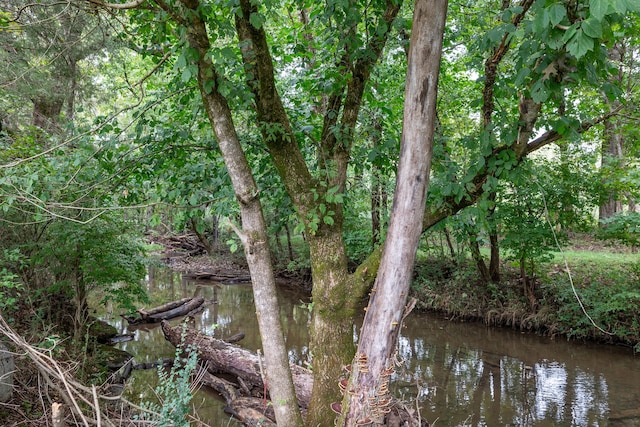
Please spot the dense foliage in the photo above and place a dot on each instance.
(107, 131)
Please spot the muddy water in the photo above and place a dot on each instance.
(457, 373)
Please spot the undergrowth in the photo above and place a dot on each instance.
(175, 389)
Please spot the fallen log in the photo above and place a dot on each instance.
(219, 277)
(164, 307)
(189, 306)
(222, 357)
(243, 390)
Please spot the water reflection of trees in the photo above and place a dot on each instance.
(458, 385)
(459, 374)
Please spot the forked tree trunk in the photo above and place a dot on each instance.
(367, 399)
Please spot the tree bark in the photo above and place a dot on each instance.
(367, 399)
(376, 187)
(335, 293)
(474, 246)
(253, 234)
(611, 155)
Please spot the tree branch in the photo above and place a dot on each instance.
(361, 71)
(363, 277)
(118, 6)
(273, 119)
(491, 65)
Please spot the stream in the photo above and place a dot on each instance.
(457, 373)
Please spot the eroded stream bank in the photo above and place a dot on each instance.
(460, 373)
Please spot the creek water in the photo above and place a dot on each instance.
(457, 373)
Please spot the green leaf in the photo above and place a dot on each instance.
(256, 20)
(228, 53)
(522, 74)
(570, 33)
(208, 86)
(598, 8)
(186, 75)
(580, 44)
(620, 6)
(328, 220)
(181, 62)
(632, 5)
(539, 92)
(592, 27)
(557, 12)
(495, 34)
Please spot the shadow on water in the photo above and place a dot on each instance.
(457, 373)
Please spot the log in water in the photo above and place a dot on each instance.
(184, 307)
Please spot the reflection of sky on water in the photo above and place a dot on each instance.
(460, 373)
(551, 383)
(465, 374)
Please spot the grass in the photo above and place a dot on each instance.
(604, 258)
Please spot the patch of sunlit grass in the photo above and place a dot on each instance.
(603, 258)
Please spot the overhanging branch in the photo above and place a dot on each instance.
(365, 274)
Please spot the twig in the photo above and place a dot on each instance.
(96, 405)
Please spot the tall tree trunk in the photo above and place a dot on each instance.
(612, 145)
(611, 156)
(376, 208)
(372, 365)
(289, 243)
(376, 187)
(494, 261)
(477, 257)
(253, 233)
(46, 112)
(335, 292)
(332, 322)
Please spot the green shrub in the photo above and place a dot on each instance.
(623, 227)
(175, 389)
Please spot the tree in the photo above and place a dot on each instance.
(618, 140)
(40, 49)
(371, 369)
